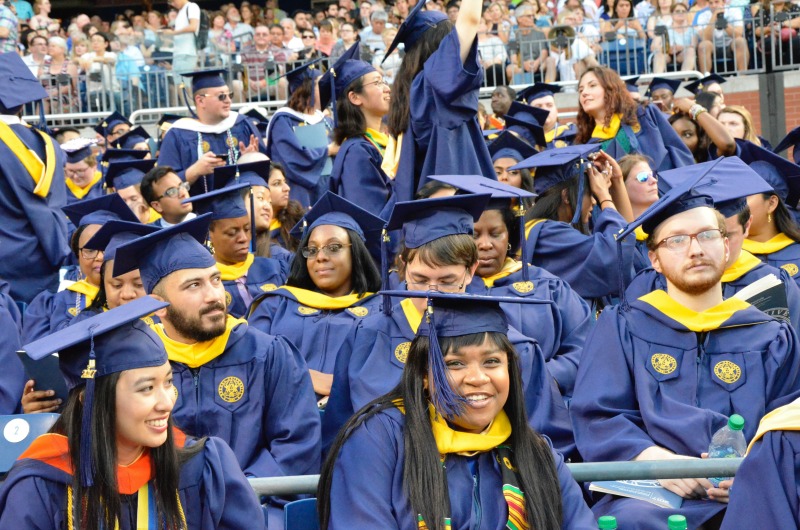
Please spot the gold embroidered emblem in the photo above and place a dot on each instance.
(73, 311)
(303, 310)
(359, 311)
(231, 389)
(175, 391)
(228, 299)
(231, 142)
(791, 268)
(523, 287)
(206, 147)
(663, 363)
(727, 371)
(401, 352)
(267, 287)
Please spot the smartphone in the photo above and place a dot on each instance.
(224, 158)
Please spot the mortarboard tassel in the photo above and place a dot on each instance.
(445, 400)
(520, 213)
(333, 94)
(87, 463)
(42, 125)
(576, 218)
(387, 300)
(186, 100)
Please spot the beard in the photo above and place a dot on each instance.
(192, 327)
(700, 284)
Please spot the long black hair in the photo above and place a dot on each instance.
(101, 506)
(100, 302)
(412, 64)
(700, 152)
(289, 216)
(365, 276)
(350, 120)
(548, 203)
(784, 220)
(424, 478)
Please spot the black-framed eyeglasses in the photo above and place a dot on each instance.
(309, 36)
(175, 190)
(224, 96)
(456, 285)
(331, 249)
(681, 242)
(89, 253)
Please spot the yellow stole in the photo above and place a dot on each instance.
(323, 301)
(640, 235)
(199, 353)
(449, 440)
(509, 267)
(274, 225)
(413, 316)
(779, 242)
(391, 156)
(79, 192)
(154, 216)
(607, 133)
(707, 320)
(743, 264)
(86, 289)
(785, 418)
(550, 135)
(40, 172)
(236, 271)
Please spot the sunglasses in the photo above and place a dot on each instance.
(643, 176)
(222, 97)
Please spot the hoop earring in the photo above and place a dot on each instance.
(509, 246)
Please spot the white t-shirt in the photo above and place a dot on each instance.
(721, 38)
(184, 43)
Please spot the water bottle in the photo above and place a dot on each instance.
(676, 522)
(607, 522)
(728, 442)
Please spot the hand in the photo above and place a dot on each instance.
(333, 149)
(683, 104)
(321, 382)
(252, 147)
(722, 493)
(606, 164)
(35, 401)
(167, 32)
(206, 164)
(599, 183)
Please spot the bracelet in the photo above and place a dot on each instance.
(696, 110)
(605, 200)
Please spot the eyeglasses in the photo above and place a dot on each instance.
(643, 176)
(681, 242)
(71, 173)
(330, 250)
(224, 96)
(175, 191)
(89, 253)
(308, 36)
(443, 286)
(378, 82)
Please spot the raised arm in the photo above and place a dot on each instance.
(469, 17)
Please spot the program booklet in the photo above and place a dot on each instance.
(767, 294)
(644, 490)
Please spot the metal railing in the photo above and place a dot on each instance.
(781, 45)
(583, 472)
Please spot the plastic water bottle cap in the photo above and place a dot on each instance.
(607, 522)
(676, 522)
(736, 422)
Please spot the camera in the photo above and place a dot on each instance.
(721, 23)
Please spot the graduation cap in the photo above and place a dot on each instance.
(114, 234)
(528, 122)
(657, 83)
(344, 71)
(695, 87)
(509, 145)
(99, 211)
(781, 174)
(131, 138)
(77, 149)
(558, 165)
(123, 155)
(502, 196)
(631, 84)
(161, 253)
(107, 125)
(258, 117)
(201, 80)
(536, 91)
(252, 174)
(121, 175)
(222, 203)
(790, 140)
(728, 182)
(332, 209)
(413, 27)
(456, 315)
(166, 122)
(105, 344)
(19, 85)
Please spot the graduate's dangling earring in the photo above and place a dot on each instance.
(509, 247)
(769, 218)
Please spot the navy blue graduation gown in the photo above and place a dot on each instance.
(357, 175)
(371, 363)
(302, 165)
(559, 327)
(443, 135)
(367, 488)
(8, 303)
(263, 275)
(214, 495)
(33, 229)
(181, 148)
(588, 263)
(97, 190)
(646, 379)
(734, 280)
(780, 252)
(50, 312)
(12, 375)
(312, 325)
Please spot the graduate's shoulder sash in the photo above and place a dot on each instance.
(40, 171)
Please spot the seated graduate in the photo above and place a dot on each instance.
(286, 213)
(542, 96)
(136, 140)
(508, 150)
(560, 327)
(361, 97)
(641, 183)
(114, 458)
(49, 312)
(661, 374)
(439, 254)
(110, 128)
(450, 445)
(768, 481)
(244, 275)
(569, 181)
(125, 177)
(728, 181)
(527, 123)
(330, 288)
(233, 381)
(164, 191)
(83, 176)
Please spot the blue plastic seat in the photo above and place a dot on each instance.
(17, 432)
(301, 515)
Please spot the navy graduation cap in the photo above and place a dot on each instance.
(631, 84)
(413, 27)
(527, 122)
(135, 136)
(19, 85)
(100, 210)
(344, 71)
(202, 79)
(121, 175)
(305, 71)
(658, 83)
(509, 145)
(332, 209)
(781, 174)
(105, 127)
(252, 174)
(790, 140)
(105, 344)
(559, 165)
(77, 149)
(695, 87)
(222, 203)
(168, 250)
(123, 155)
(114, 234)
(165, 123)
(536, 91)
(728, 181)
